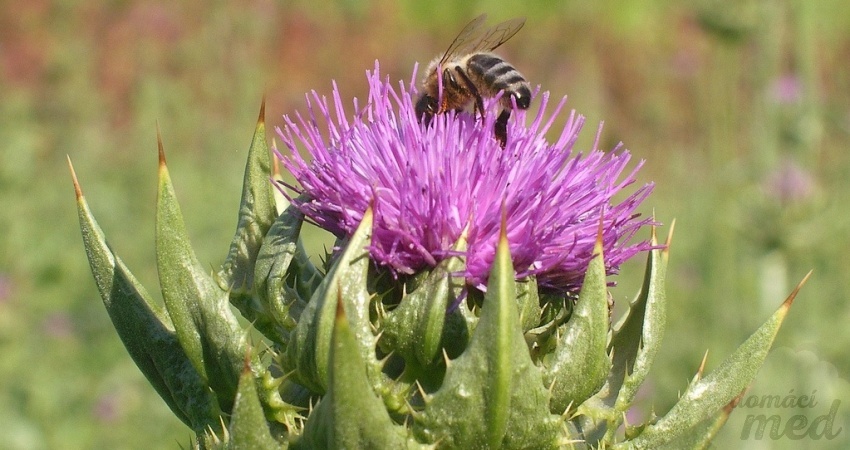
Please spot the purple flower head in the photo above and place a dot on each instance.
(428, 183)
(790, 184)
(786, 90)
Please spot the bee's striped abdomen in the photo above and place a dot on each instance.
(499, 75)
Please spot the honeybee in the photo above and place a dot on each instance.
(468, 72)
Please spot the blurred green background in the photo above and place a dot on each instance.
(739, 107)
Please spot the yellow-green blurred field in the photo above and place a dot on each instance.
(741, 109)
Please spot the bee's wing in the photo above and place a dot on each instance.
(497, 35)
(467, 37)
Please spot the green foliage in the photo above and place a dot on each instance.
(580, 364)
(147, 331)
(333, 382)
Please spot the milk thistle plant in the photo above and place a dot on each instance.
(465, 304)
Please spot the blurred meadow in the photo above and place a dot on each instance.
(741, 110)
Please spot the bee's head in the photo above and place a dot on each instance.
(426, 108)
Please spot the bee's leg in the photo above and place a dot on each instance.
(479, 102)
(501, 127)
(426, 107)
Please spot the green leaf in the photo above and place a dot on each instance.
(310, 342)
(638, 337)
(146, 330)
(351, 415)
(284, 277)
(205, 326)
(414, 330)
(303, 279)
(529, 303)
(271, 315)
(700, 436)
(492, 395)
(256, 214)
(707, 395)
(248, 427)
(579, 366)
(636, 340)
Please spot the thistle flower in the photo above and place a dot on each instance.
(790, 184)
(338, 367)
(428, 184)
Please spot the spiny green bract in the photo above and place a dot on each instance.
(356, 359)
